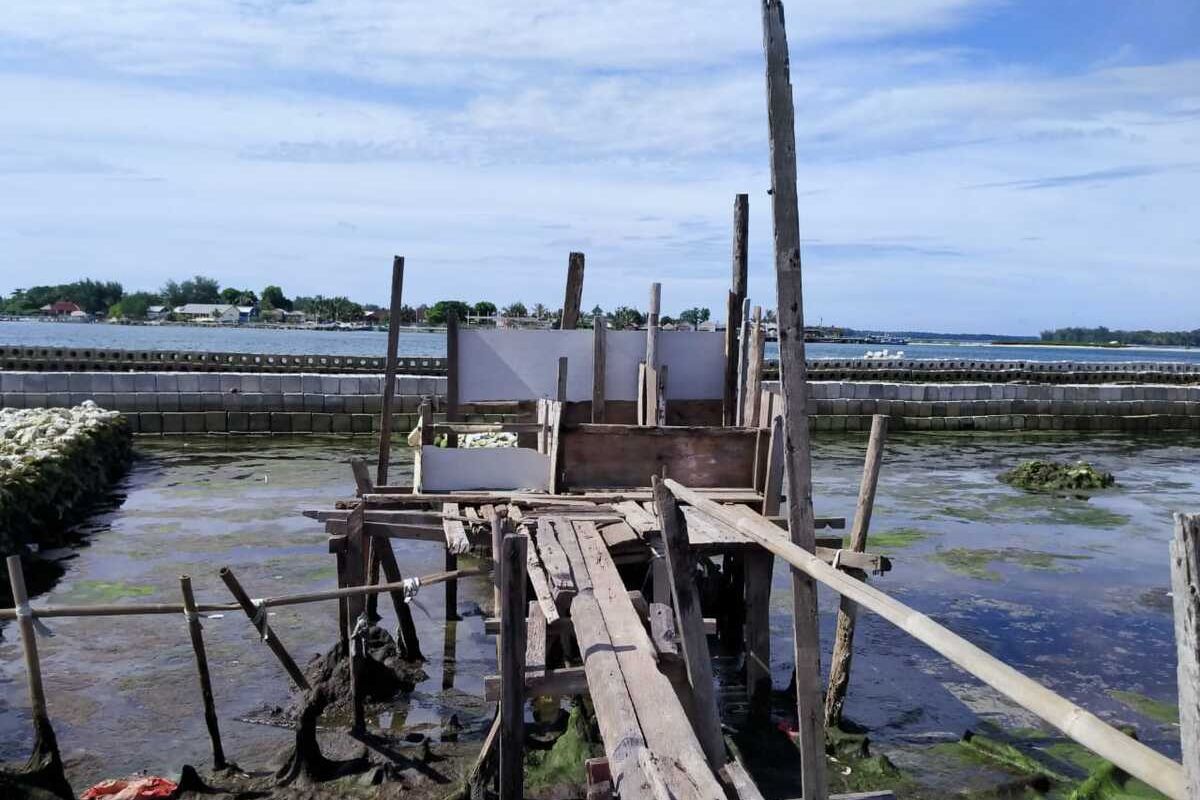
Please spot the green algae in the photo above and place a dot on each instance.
(975, 563)
(1110, 782)
(1156, 710)
(108, 591)
(896, 539)
(1051, 476)
(563, 764)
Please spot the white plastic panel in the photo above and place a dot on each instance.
(451, 469)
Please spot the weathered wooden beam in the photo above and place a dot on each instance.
(258, 617)
(737, 295)
(743, 358)
(45, 742)
(1185, 591)
(514, 552)
(1090, 731)
(561, 393)
(599, 356)
(574, 296)
(453, 413)
(558, 568)
(691, 625)
(754, 368)
(389, 372)
(793, 379)
(843, 646)
(562, 682)
(386, 499)
(486, 427)
(362, 477)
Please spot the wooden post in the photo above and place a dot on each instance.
(362, 477)
(651, 403)
(760, 567)
(691, 624)
(561, 392)
(660, 410)
(258, 616)
(794, 378)
(743, 357)
(33, 665)
(843, 646)
(425, 413)
(206, 693)
(512, 667)
(452, 410)
(389, 372)
(407, 640)
(737, 295)
(570, 311)
(754, 367)
(599, 326)
(1185, 589)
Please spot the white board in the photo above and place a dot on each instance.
(508, 365)
(452, 469)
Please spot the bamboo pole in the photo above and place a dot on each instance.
(1185, 589)
(1085, 728)
(197, 636)
(264, 628)
(843, 646)
(514, 551)
(389, 372)
(793, 380)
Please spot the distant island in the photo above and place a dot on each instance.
(1104, 337)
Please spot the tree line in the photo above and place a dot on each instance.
(110, 298)
(1103, 335)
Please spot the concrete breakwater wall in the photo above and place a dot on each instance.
(306, 403)
(92, 359)
(959, 371)
(844, 405)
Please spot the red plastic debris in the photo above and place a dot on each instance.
(148, 788)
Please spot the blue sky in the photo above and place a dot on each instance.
(963, 166)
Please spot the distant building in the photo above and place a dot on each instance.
(157, 312)
(710, 325)
(61, 308)
(247, 313)
(210, 312)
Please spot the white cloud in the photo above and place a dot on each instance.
(148, 140)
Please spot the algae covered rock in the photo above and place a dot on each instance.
(1049, 476)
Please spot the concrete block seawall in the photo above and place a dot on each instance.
(844, 405)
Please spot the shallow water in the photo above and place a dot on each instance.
(1072, 592)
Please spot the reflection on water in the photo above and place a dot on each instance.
(1070, 591)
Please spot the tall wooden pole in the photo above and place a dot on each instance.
(206, 692)
(513, 634)
(389, 372)
(650, 403)
(599, 327)
(737, 295)
(843, 645)
(743, 359)
(754, 371)
(452, 414)
(794, 377)
(570, 311)
(1185, 589)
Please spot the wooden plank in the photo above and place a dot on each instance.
(843, 646)
(453, 413)
(662, 631)
(562, 682)
(457, 542)
(541, 588)
(574, 296)
(639, 518)
(743, 358)
(513, 636)
(561, 392)
(1106, 741)
(668, 732)
(660, 405)
(614, 456)
(599, 351)
(486, 427)
(362, 477)
(408, 642)
(558, 568)
(389, 373)
(652, 357)
(760, 566)
(691, 625)
(425, 422)
(1185, 591)
(754, 366)
(535, 637)
(641, 394)
(793, 379)
(620, 536)
(356, 555)
(735, 774)
(555, 447)
(773, 483)
(380, 500)
(391, 530)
